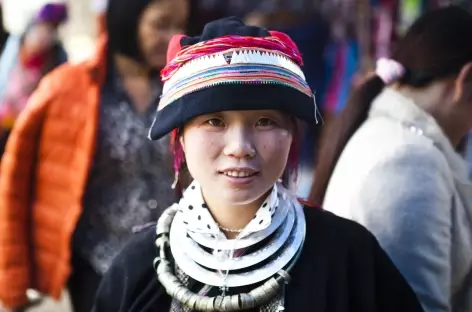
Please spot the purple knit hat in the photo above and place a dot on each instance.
(55, 13)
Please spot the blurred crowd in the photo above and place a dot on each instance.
(78, 175)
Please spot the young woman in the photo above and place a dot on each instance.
(391, 164)
(238, 239)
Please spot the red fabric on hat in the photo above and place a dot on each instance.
(177, 56)
(286, 39)
(174, 47)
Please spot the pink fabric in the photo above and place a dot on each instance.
(277, 42)
(389, 70)
(22, 82)
(334, 87)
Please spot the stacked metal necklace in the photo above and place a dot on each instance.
(202, 270)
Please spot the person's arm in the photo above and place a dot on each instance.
(131, 280)
(406, 203)
(392, 292)
(16, 180)
(110, 296)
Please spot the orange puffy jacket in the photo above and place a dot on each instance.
(43, 175)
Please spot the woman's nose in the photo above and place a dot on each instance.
(239, 144)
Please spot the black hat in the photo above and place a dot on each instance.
(231, 66)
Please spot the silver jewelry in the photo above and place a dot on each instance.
(174, 287)
(205, 240)
(207, 259)
(230, 230)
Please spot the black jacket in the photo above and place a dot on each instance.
(342, 268)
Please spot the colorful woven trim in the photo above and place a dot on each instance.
(235, 74)
(227, 43)
(234, 66)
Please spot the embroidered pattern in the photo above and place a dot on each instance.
(233, 74)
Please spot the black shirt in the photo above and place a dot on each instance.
(341, 268)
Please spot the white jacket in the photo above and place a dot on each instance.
(400, 177)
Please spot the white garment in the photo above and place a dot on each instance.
(198, 218)
(98, 6)
(279, 223)
(400, 177)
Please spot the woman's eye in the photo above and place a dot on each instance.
(265, 122)
(215, 122)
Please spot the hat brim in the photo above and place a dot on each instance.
(232, 97)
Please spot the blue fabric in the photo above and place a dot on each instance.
(352, 62)
(339, 77)
(8, 60)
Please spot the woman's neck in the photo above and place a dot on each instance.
(135, 78)
(431, 100)
(127, 67)
(234, 217)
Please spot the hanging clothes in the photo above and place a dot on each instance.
(383, 14)
(342, 61)
(408, 12)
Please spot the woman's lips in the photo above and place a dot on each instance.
(239, 176)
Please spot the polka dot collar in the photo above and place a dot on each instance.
(197, 218)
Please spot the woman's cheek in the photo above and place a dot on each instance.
(275, 142)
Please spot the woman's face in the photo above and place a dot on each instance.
(237, 156)
(159, 22)
(40, 37)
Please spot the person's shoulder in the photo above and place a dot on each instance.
(339, 238)
(326, 219)
(68, 84)
(339, 241)
(338, 230)
(131, 273)
(350, 249)
(140, 247)
(69, 75)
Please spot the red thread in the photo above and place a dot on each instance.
(308, 204)
(176, 150)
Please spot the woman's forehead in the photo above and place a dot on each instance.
(247, 113)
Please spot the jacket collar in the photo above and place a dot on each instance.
(394, 105)
(97, 64)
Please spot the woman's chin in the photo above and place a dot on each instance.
(240, 197)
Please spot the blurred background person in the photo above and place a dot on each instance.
(26, 60)
(79, 174)
(391, 163)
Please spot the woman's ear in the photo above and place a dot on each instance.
(463, 85)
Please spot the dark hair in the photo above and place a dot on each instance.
(436, 46)
(122, 20)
